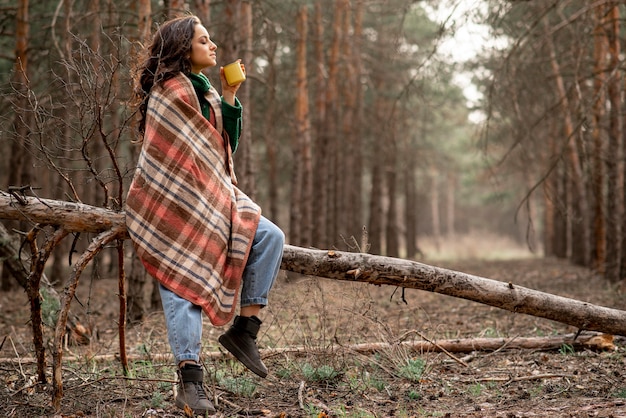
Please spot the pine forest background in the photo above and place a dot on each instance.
(357, 135)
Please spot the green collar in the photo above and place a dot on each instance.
(200, 83)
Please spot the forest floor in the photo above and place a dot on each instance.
(323, 374)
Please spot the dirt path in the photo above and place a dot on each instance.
(325, 318)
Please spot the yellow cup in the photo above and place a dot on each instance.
(234, 74)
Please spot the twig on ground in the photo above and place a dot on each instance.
(446, 352)
(538, 376)
(301, 395)
(473, 355)
(18, 358)
(509, 380)
(434, 343)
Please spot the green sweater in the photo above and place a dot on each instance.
(231, 115)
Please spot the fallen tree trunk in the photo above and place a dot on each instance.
(381, 270)
(358, 267)
(592, 341)
(73, 217)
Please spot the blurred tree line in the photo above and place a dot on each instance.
(555, 124)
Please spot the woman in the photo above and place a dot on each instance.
(196, 233)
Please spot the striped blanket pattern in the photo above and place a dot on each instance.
(190, 225)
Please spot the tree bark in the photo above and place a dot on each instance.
(360, 267)
(614, 160)
(245, 160)
(410, 201)
(20, 161)
(202, 9)
(598, 171)
(332, 108)
(591, 341)
(321, 140)
(392, 244)
(144, 21)
(135, 300)
(301, 114)
(175, 7)
(269, 124)
(450, 203)
(353, 129)
(381, 270)
(307, 199)
(581, 252)
(377, 183)
(434, 205)
(344, 171)
(548, 216)
(75, 217)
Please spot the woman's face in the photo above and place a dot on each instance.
(202, 50)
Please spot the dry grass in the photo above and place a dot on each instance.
(475, 245)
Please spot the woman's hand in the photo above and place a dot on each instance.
(228, 91)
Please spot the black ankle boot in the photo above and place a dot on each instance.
(191, 392)
(240, 340)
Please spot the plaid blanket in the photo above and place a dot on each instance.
(190, 225)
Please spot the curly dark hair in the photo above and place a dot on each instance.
(167, 55)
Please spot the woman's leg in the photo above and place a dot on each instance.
(258, 278)
(262, 267)
(184, 326)
(184, 332)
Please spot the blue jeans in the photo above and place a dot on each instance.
(184, 319)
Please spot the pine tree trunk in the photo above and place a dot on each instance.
(579, 198)
(391, 230)
(561, 217)
(174, 7)
(269, 121)
(303, 179)
(320, 237)
(450, 203)
(598, 137)
(19, 163)
(345, 109)
(410, 199)
(246, 162)
(548, 218)
(334, 142)
(615, 152)
(144, 21)
(301, 110)
(137, 274)
(434, 205)
(354, 132)
(202, 9)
